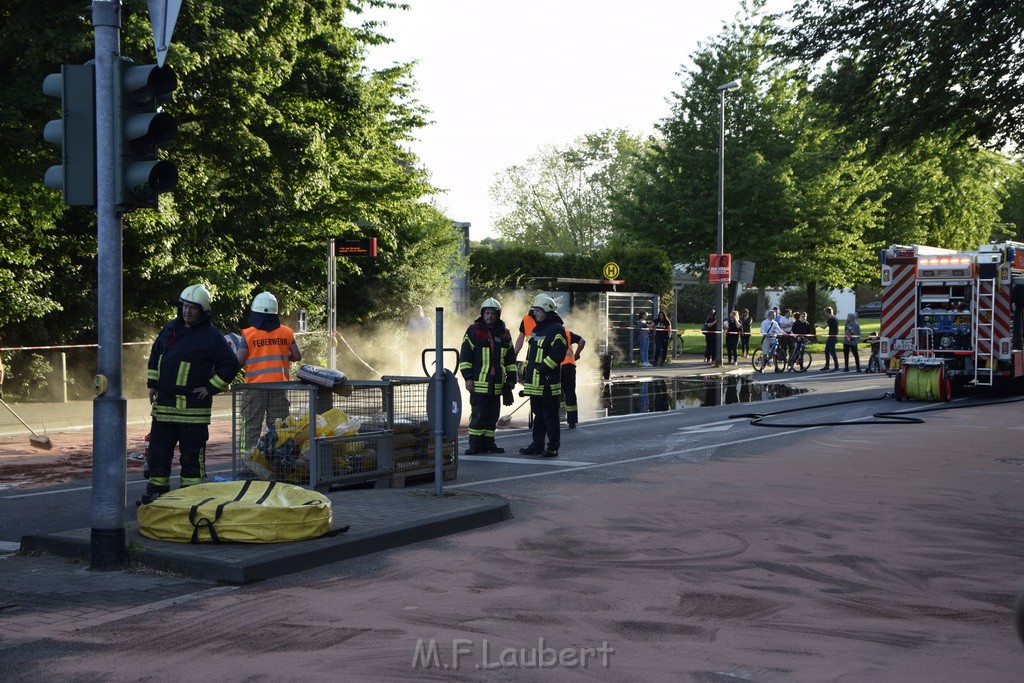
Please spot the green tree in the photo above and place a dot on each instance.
(558, 199)
(286, 138)
(900, 69)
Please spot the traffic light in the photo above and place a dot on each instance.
(141, 174)
(75, 132)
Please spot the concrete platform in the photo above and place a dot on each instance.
(377, 520)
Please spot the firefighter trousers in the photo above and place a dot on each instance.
(569, 393)
(545, 421)
(191, 442)
(483, 418)
(258, 405)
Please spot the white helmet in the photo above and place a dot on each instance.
(544, 303)
(490, 302)
(196, 294)
(265, 302)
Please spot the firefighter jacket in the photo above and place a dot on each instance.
(267, 359)
(487, 358)
(544, 356)
(183, 359)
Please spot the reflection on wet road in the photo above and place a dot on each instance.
(627, 397)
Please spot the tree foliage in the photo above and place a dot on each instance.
(286, 138)
(902, 69)
(558, 199)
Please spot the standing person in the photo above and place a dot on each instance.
(421, 329)
(266, 354)
(711, 337)
(832, 324)
(851, 337)
(644, 325)
(785, 321)
(190, 362)
(542, 376)
(745, 321)
(733, 330)
(572, 416)
(662, 328)
(488, 367)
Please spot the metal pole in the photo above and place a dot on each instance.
(332, 305)
(721, 222)
(108, 549)
(439, 413)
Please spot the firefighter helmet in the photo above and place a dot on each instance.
(196, 294)
(265, 302)
(490, 302)
(544, 303)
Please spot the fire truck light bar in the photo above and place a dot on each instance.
(945, 261)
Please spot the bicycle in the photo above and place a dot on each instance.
(874, 363)
(800, 359)
(776, 356)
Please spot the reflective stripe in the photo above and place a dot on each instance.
(217, 383)
(183, 370)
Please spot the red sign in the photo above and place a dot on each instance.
(720, 268)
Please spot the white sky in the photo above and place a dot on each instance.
(504, 79)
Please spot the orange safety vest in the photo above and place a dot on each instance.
(268, 354)
(570, 355)
(528, 324)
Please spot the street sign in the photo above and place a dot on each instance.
(611, 270)
(720, 268)
(163, 14)
(366, 246)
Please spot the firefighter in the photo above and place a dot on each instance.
(488, 366)
(266, 355)
(572, 415)
(190, 362)
(542, 376)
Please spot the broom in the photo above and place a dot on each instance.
(36, 440)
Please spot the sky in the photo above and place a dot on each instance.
(505, 79)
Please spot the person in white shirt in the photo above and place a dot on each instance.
(770, 332)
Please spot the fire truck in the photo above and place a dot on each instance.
(952, 318)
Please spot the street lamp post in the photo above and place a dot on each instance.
(722, 89)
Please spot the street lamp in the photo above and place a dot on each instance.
(722, 89)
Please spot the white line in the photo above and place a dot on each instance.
(526, 461)
(629, 460)
(85, 488)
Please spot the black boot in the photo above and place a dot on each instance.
(532, 449)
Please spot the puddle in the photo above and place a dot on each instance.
(627, 397)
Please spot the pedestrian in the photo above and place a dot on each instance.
(266, 354)
(832, 325)
(644, 338)
(785, 321)
(733, 330)
(488, 366)
(851, 337)
(542, 376)
(572, 416)
(190, 362)
(710, 330)
(421, 329)
(745, 320)
(662, 328)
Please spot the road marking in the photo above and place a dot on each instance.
(526, 461)
(697, 429)
(628, 461)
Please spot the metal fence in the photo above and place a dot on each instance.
(303, 434)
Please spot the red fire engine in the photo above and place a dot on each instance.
(952, 318)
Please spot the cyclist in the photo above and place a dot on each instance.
(770, 332)
(802, 331)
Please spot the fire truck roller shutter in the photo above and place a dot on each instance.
(1017, 297)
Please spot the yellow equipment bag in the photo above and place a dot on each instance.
(240, 511)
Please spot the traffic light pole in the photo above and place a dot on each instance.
(110, 414)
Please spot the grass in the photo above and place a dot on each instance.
(693, 338)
